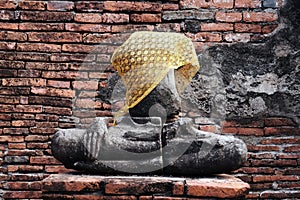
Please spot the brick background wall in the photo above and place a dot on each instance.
(50, 61)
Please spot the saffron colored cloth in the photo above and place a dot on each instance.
(145, 59)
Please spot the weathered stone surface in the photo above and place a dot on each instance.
(148, 148)
(162, 102)
(204, 153)
(66, 146)
(245, 80)
(69, 185)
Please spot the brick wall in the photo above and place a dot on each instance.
(49, 67)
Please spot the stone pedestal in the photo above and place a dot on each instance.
(89, 187)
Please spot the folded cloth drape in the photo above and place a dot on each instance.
(145, 59)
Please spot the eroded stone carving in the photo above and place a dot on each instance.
(152, 138)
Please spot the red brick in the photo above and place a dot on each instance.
(256, 170)
(60, 5)
(247, 3)
(78, 48)
(217, 189)
(53, 92)
(42, 130)
(269, 28)
(209, 128)
(237, 37)
(23, 123)
(137, 186)
(178, 188)
(281, 141)
(85, 85)
(32, 5)
(88, 17)
(98, 28)
(30, 168)
(42, 47)
(8, 4)
(250, 131)
(288, 156)
(253, 28)
(53, 66)
(22, 194)
(8, 73)
(29, 108)
(45, 117)
(271, 178)
(263, 148)
(8, 15)
(206, 4)
(59, 111)
(58, 84)
(205, 37)
(46, 16)
(292, 148)
(64, 74)
(278, 121)
(7, 45)
(90, 6)
(10, 100)
(262, 155)
(216, 27)
(7, 108)
(260, 16)
(29, 56)
(292, 171)
(43, 160)
(12, 64)
(11, 138)
(37, 146)
(39, 138)
(8, 26)
(51, 101)
(17, 145)
(229, 16)
(87, 103)
(16, 131)
(29, 73)
(281, 131)
(23, 82)
(145, 17)
(4, 124)
(272, 162)
(12, 168)
(112, 18)
(54, 37)
(46, 124)
(170, 6)
(57, 169)
(10, 35)
(29, 26)
(63, 57)
(289, 185)
(6, 117)
(23, 116)
(132, 6)
(261, 186)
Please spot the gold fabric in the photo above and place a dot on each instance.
(145, 59)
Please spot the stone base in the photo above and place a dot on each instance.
(89, 187)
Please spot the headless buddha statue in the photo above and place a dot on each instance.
(148, 136)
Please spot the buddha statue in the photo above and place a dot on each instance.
(148, 135)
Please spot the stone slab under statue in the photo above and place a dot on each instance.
(149, 137)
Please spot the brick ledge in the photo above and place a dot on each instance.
(78, 186)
